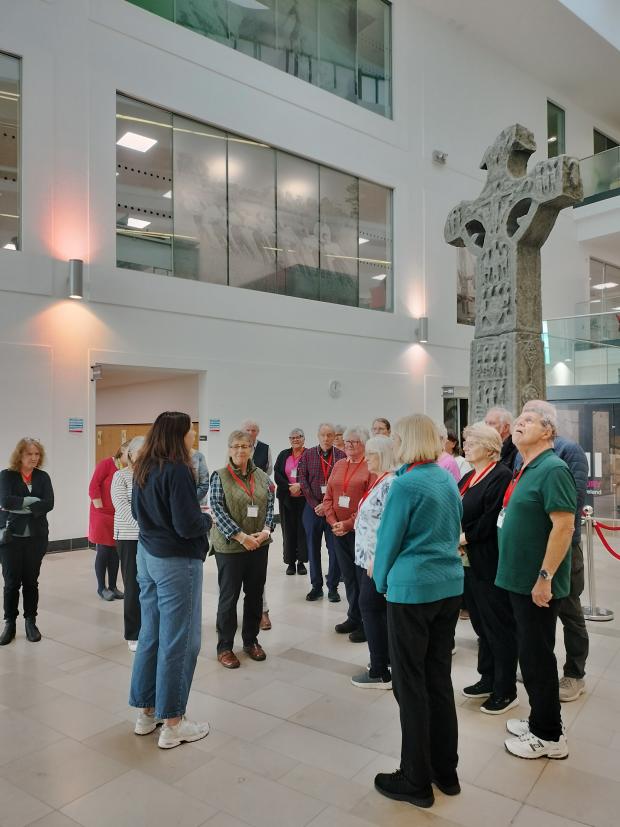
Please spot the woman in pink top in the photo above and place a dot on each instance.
(101, 524)
(292, 502)
(445, 459)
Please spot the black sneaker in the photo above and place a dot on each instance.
(395, 785)
(449, 786)
(495, 705)
(32, 632)
(358, 636)
(8, 633)
(290, 569)
(346, 627)
(477, 690)
(333, 596)
(301, 569)
(314, 594)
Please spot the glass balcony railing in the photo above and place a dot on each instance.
(582, 350)
(600, 174)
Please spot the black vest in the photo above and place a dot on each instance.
(261, 455)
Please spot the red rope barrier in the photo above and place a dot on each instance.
(597, 527)
(608, 527)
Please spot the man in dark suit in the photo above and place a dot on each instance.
(261, 452)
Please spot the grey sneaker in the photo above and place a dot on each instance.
(364, 681)
(571, 688)
(146, 723)
(181, 733)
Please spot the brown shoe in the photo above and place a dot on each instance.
(229, 659)
(255, 651)
(265, 623)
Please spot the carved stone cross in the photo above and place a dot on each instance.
(504, 228)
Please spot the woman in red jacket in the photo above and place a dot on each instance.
(101, 524)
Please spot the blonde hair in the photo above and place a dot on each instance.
(419, 439)
(383, 446)
(15, 462)
(486, 436)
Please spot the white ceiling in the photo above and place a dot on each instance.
(116, 376)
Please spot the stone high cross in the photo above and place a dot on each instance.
(504, 228)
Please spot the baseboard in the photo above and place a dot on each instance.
(72, 544)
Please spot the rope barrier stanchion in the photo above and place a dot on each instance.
(592, 611)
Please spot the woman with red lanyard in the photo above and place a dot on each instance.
(483, 491)
(292, 502)
(373, 606)
(241, 497)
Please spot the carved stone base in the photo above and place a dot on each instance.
(506, 370)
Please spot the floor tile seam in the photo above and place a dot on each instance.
(32, 795)
(545, 808)
(66, 735)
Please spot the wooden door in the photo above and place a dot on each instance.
(108, 438)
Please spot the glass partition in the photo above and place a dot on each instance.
(344, 47)
(601, 174)
(199, 203)
(583, 350)
(9, 152)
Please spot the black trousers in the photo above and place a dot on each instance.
(106, 562)
(536, 639)
(247, 569)
(491, 616)
(576, 640)
(21, 564)
(373, 609)
(345, 555)
(127, 552)
(421, 637)
(295, 549)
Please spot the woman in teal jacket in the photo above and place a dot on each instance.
(418, 568)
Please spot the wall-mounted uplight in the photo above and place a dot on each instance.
(76, 278)
(10, 246)
(421, 330)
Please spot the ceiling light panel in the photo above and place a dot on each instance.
(137, 223)
(132, 140)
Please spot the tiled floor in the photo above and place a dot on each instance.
(292, 742)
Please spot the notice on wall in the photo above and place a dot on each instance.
(215, 425)
(76, 426)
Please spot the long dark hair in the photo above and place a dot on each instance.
(165, 442)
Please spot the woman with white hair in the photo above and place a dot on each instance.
(126, 533)
(373, 607)
(348, 482)
(482, 491)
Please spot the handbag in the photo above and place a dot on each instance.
(6, 535)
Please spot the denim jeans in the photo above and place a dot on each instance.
(171, 608)
(315, 527)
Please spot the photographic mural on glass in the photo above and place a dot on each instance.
(466, 287)
(199, 203)
(9, 152)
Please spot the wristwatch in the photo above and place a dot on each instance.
(544, 574)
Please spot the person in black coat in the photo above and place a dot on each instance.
(292, 502)
(26, 496)
(489, 608)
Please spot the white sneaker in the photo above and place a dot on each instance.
(183, 732)
(146, 723)
(571, 688)
(518, 726)
(531, 746)
(132, 645)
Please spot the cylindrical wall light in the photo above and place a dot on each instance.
(421, 331)
(76, 278)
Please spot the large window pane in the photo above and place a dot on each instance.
(375, 246)
(9, 152)
(297, 38)
(373, 55)
(144, 224)
(252, 29)
(251, 215)
(556, 144)
(338, 237)
(337, 47)
(298, 227)
(209, 18)
(199, 202)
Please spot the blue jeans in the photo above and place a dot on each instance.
(315, 527)
(171, 608)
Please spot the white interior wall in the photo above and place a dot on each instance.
(143, 401)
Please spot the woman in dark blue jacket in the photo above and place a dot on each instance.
(26, 496)
(172, 546)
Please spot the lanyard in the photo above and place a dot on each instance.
(349, 465)
(374, 485)
(326, 466)
(249, 491)
(476, 478)
(420, 462)
(512, 486)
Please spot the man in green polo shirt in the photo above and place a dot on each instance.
(535, 528)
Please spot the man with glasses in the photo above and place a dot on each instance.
(313, 473)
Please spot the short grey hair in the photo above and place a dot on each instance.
(340, 429)
(239, 434)
(357, 430)
(486, 436)
(247, 423)
(326, 425)
(134, 445)
(503, 414)
(296, 432)
(383, 446)
(546, 411)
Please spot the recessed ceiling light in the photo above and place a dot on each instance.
(10, 246)
(380, 277)
(568, 359)
(605, 285)
(131, 140)
(137, 223)
(615, 308)
(364, 240)
(552, 139)
(595, 301)
(167, 194)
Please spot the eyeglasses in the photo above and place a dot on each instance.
(352, 441)
(239, 447)
(295, 437)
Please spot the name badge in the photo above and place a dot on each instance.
(343, 501)
(500, 518)
(323, 489)
(252, 511)
(294, 473)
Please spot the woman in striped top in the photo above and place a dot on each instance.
(126, 536)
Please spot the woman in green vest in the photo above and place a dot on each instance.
(241, 498)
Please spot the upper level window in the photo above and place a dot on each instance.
(343, 46)
(199, 203)
(603, 142)
(9, 152)
(556, 141)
